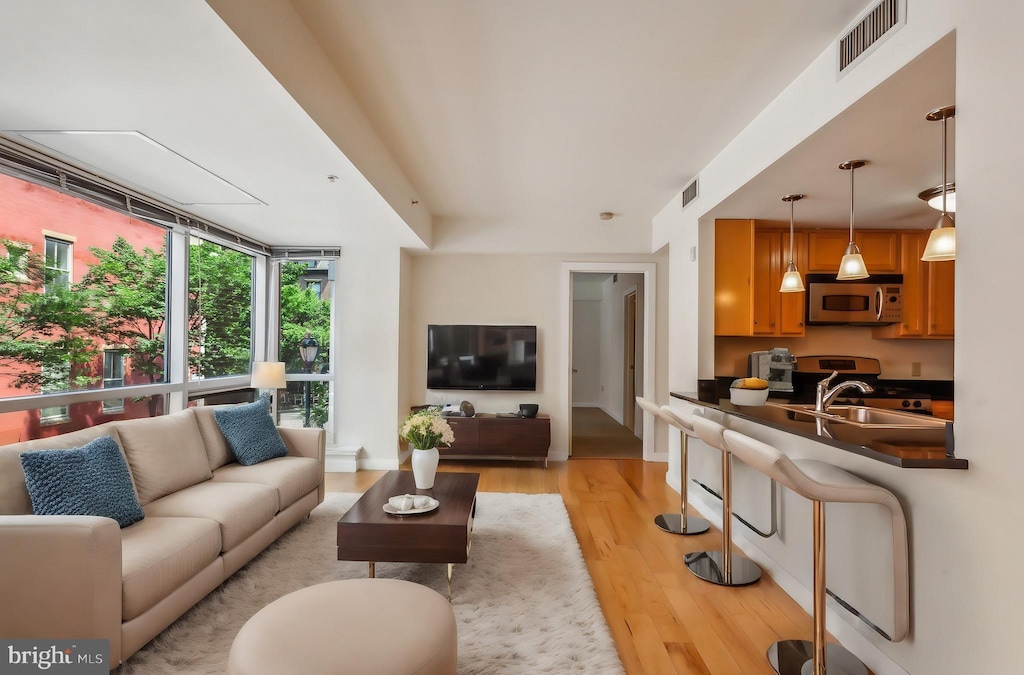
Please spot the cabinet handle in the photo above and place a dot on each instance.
(755, 322)
(771, 325)
(801, 324)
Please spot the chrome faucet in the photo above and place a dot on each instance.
(823, 396)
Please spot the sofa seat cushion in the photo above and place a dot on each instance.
(240, 508)
(160, 554)
(292, 477)
(165, 453)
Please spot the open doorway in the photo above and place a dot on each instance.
(607, 344)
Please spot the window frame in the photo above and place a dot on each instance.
(68, 273)
(115, 405)
(176, 387)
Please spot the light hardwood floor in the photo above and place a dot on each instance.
(663, 619)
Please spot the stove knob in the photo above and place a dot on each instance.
(917, 404)
(860, 401)
(905, 404)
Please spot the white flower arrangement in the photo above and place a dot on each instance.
(426, 429)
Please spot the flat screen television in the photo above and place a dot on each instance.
(482, 357)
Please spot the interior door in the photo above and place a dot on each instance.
(629, 361)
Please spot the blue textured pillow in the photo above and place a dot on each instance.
(92, 480)
(250, 432)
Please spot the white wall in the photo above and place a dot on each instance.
(895, 356)
(368, 357)
(586, 339)
(614, 290)
(965, 549)
(512, 289)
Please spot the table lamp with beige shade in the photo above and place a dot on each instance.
(268, 377)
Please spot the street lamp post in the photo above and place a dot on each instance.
(308, 348)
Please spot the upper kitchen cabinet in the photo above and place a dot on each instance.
(749, 264)
(928, 301)
(880, 248)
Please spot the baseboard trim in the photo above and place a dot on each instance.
(378, 464)
(342, 459)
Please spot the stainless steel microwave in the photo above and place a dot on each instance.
(874, 301)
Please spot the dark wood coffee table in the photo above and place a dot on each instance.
(443, 535)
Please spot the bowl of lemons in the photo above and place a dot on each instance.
(748, 391)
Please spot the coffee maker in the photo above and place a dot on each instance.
(776, 366)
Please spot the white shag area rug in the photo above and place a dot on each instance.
(524, 603)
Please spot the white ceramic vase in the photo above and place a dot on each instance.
(424, 467)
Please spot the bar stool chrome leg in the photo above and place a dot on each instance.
(682, 522)
(800, 657)
(722, 567)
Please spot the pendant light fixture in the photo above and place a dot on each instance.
(792, 282)
(852, 265)
(942, 241)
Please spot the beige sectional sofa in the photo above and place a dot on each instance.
(206, 516)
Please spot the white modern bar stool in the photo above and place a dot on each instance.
(682, 522)
(821, 482)
(721, 567)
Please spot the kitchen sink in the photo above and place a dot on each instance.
(863, 416)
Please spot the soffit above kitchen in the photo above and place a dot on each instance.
(887, 127)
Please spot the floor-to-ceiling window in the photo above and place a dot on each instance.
(86, 305)
(305, 293)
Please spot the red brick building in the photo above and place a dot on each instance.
(63, 228)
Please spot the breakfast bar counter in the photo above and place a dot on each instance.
(906, 448)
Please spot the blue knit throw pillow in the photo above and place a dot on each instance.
(92, 480)
(250, 432)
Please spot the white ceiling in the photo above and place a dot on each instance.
(507, 117)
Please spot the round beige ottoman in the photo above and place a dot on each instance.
(359, 626)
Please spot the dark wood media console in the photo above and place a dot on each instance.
(490, 435)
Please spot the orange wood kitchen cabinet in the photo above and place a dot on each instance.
(927, 293)
(792, 306)
(940, 302)
(880, 248)
(749, 264)
(734, 269)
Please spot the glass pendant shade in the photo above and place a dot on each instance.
(941, 242)
(933, 196)
(852, 265)
(792, 282)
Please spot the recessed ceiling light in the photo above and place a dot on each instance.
(607, 215)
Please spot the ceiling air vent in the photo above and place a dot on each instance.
(690, 193)
(880, 22)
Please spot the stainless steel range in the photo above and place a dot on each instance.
(811, 369)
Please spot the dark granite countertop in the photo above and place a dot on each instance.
(907, 448)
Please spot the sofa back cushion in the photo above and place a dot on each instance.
(165, 454)
(217, 449)
(14, 498)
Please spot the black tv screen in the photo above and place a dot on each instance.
(482, 357)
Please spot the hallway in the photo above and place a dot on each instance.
(596, 435)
